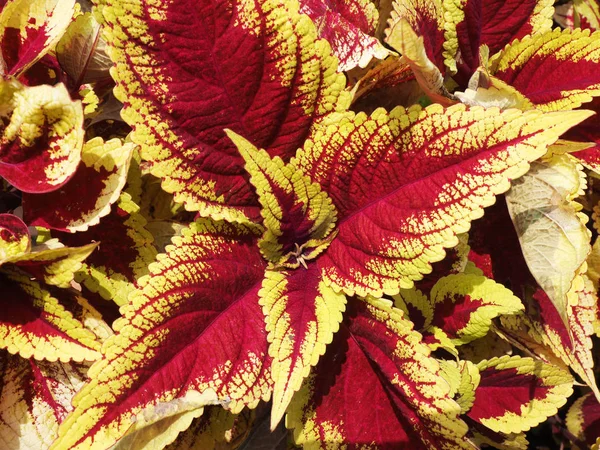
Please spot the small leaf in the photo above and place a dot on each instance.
(583, 419)
(28, 30)
(517, 393)
(34, 323)
(348, 26)
(14, 237)
(88, 196)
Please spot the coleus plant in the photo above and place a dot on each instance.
(218, 214)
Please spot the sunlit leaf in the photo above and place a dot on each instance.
(376, 355)
(88, 196)
(405, 183)
(271, 82)
(41, 143)
(195, 324)
(14, 237)
(29, 29)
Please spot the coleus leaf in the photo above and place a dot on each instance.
(426, 19)
(554, 239)
(583, 420)
(14, 237)
(125, 251)
(517, 393)
(89, 194)
(349, 26)
(469, 24)
(34, 398)
(81, 51)
(376, 355)
(463, 377)
(440, 166)
(297, 215)
(195, 324)
(288, 83)
(555, 71)
(28, 30)
(41, 144)
(34, 323)
(460, 308)
(546, 335)
(302, 315)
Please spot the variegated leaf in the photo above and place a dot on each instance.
(405, 183)
(194, 325)
(29, 29)
(34, 323)
(555, 71)
(550, 225)
(288, 81)
(470, 24)
(302, 315)
(376, 356)
(125, 249)
(583, 419)
(517, 393)
(14, 237)
(41, 143)
(35, 396)
(349, 26)
(297, 215)
(88, 196)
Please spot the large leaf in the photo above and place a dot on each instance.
(255, 68)
(376, 386)
(494, 23)
(517, 393)
(405, 183)
(29, 29)
(555, 71)
(349, 26)
(42, 137)
(194, 325)
(88, 196)
(34, 323)
(35, 396)
(302, 315)
(551, 229)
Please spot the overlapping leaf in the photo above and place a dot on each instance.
(515, 393)
(29, 29)
(14, 237)
(405, 183)
(35, 396)
(555, 71)
(460, 308)
(551, 227)
(34, 323)
(88, 196)
(124, 253)
(494, 23)
(41, 142)
(195, 325)
(376, 355)
(583, 419)
(349, 26)
(255, 68)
